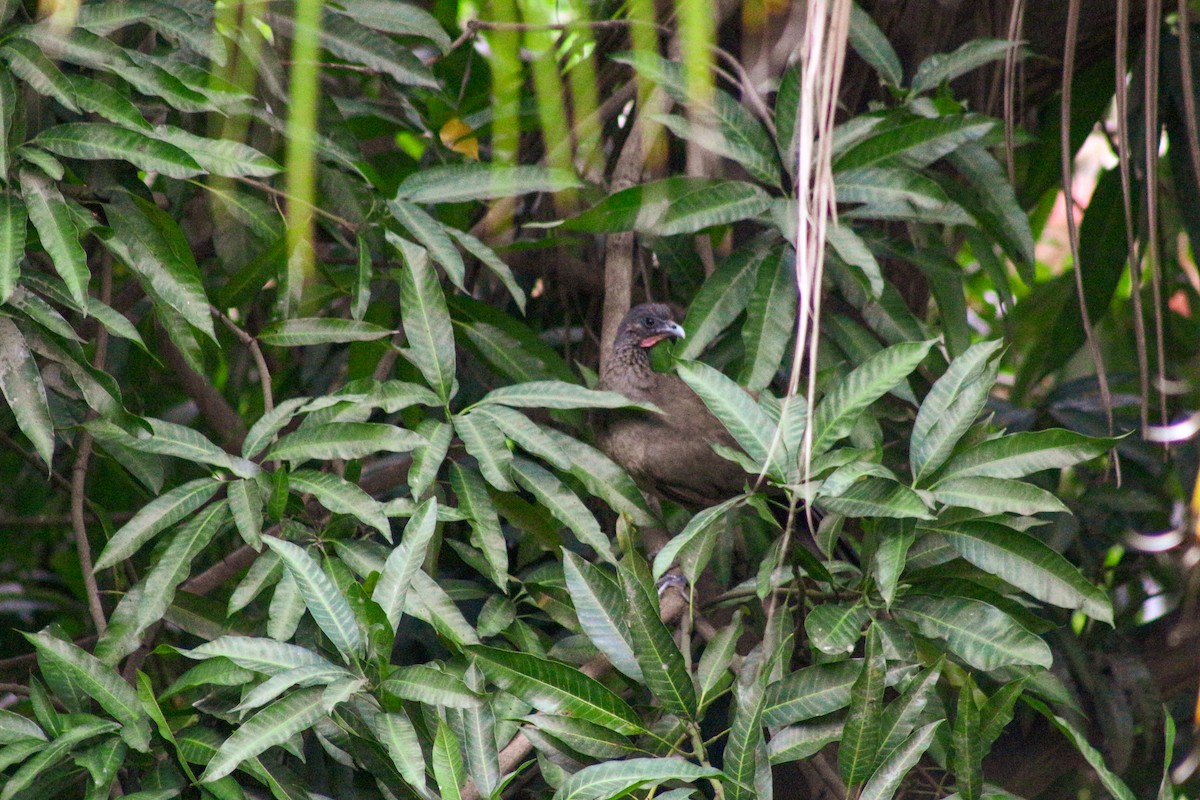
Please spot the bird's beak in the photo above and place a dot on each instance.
(676, 330)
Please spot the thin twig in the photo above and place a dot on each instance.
(251, 344)
(269, 189)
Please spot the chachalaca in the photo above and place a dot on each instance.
(668, 454)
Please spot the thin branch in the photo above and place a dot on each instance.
(251, 344)
(269, 189)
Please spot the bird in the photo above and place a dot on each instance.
(669, 454)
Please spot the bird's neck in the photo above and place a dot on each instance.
(630, 367)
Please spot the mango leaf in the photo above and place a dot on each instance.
(887, 778)
(1019, 454)
(981, 635)
(324, 600)
(858, 751)
(404, 561)
(343, 440)
(916, 143)
(98, 681)
(556, 688)
(157, 515)
(459, 183)
(320, 330)
(563, 504)
(673, 206)
(12, 232)
(276, 724)
(1027, 564)
(432, 235)
(810, 692)
(997, 496)
(951, 407)
(52, 219)
(723, 297)
(602, 609)
(770, 321)
(618, 778)
(558, 394)
(738, 412)
(837, 412)
(448, 768)
(426, 319)
(873, 46)
(663, 669)
(966, 760)
(21, 384)
(341, 497)
(941, 68)
(102, 141)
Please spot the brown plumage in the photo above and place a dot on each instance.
(668, 454)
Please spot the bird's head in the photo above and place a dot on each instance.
(647, 325)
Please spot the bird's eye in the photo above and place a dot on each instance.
(648, 322)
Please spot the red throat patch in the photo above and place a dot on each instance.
(650, 341)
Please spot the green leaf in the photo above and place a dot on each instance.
(951, 407)
(584, 737)
(426, 320)
(897, 193)
(810, 692)
(1027, 564)
(873, 46)
(981, 635)
(837, 412)
(770, 321)
(877, 497)
(52, 219)
(49, 755)
(426, 684)
(246, 504)
(21, 384)
(558, 394)
(404, 561)
(275, 724)
(966, 760)
(723, 297)
(526, 434)
(602, 609)
(997, 496)
(270, 423)
(399, 738)
(448, 768)
(432, 235)
(834, 628)
(266, 656)
(173, 566)
(692, 546)
(169, 439)
(601, 477)
(98, 681)
(941, 68)
(563, 504)
(325, 602)
(1019, 454)
(797, 742)
(618, 778)
(223, 157)
(105, 101)
(320, 330)
(903, 713)
(1108, 779)
(997, 209)
(154, 517)
(343, 440)
(341, 497)
(14, 728)
(346, 39)
(887, 778)
(664, 671)
(998, 711)
(154, 247)
(30, 64)
(733, 406)
(487, 256)
(486, 534)
(397, 18)
(485, 442)
(858, 751)
(556, 688)
(459, 183)
(12, 232)
(916, 143)
(891, 557)
(673, 206)
(745, 759)
(102, 141)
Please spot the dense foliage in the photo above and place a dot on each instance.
(314, 389)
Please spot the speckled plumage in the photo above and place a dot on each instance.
(668, 454)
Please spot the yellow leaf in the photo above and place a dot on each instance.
(456, 135)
